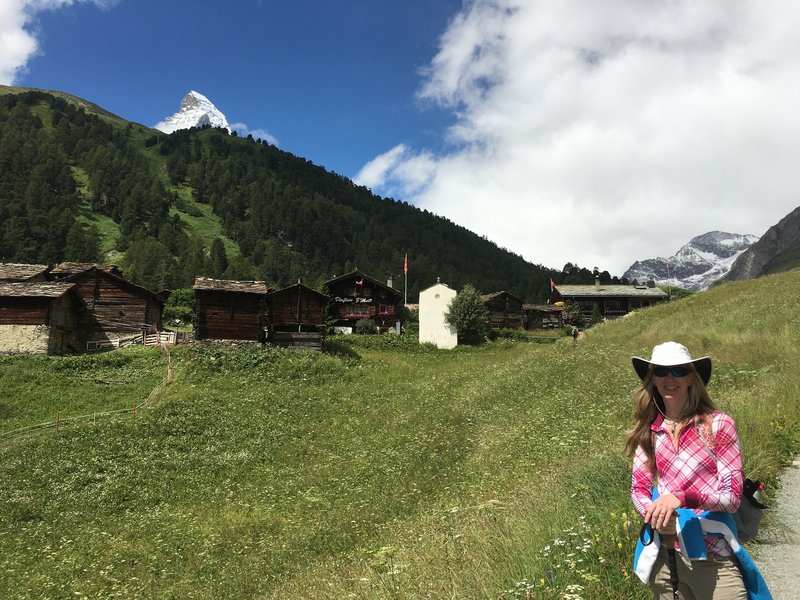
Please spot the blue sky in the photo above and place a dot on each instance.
(332, 81)
(598, 133)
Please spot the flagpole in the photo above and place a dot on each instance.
(405, 287)
(405, 280)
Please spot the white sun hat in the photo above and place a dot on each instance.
(672, 354)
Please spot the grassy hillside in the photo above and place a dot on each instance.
(89, 107)
(381, 470)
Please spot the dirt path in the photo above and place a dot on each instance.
(778, 553)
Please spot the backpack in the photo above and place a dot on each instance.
(751, 510)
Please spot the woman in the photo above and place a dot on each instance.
(673, 414)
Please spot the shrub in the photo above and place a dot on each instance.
(365, 326)
(517, 335)
(467, 313)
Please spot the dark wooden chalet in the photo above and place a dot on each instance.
(111, 308)
(230, 310)
(297, 316)
(38, 317)
(358, 296)
(612, 300)
(504, 311)
(23, 272)
(543, 316)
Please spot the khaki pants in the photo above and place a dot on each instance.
(717, 578)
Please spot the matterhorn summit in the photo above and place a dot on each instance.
(196, 111)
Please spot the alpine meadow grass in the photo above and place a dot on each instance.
(377, 469)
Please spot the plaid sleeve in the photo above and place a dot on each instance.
(727, 494)
(641, 482)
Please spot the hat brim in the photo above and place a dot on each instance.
(702, 366)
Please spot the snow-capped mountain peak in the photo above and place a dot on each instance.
(196, 110)
(697, 264)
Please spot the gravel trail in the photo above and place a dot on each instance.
(778, 552)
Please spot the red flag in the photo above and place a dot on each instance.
(552, 285)
(405, 264)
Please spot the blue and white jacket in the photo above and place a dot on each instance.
(691, 527)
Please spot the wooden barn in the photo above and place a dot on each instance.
(297, 317)
(543, 316)
(231, 310)
(111, 309)
(23, 272)
(358, 296)
(504, 311)
(38, 317)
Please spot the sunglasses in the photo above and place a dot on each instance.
(676, 371)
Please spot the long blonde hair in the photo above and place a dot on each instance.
(648, 404)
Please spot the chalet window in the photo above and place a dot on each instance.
(355, 311)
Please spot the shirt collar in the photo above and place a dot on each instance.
(658, 424)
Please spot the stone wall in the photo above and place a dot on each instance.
(24, 339)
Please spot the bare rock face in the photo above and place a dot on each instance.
(777, 250)
(195, 111)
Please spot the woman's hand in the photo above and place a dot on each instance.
(661, 512)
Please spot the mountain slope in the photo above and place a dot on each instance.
(778, 250)
(201, 201)
(697, 264)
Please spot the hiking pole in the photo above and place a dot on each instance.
(672, 564)
(672, 559)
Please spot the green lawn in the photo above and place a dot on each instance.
(379, 469)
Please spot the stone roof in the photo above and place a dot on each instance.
(33, 289)
(299, 286)
(20, 272)
(543, 307)
(610, 291)
(72, 268)
(487, 297)
(230, 285)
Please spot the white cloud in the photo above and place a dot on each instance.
(606, 132)
(18, 42)
(243, 130)
(376, 171)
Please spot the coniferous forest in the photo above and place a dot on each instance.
(77, 183)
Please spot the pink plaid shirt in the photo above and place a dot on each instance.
(691, 472)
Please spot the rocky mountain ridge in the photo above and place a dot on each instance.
(777, 250)
(698, 264)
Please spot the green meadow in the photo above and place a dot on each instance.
(377, 469)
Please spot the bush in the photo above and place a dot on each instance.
(517, 335)
(467, 313)
(365, 326)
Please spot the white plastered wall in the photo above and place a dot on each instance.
(433, 329)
